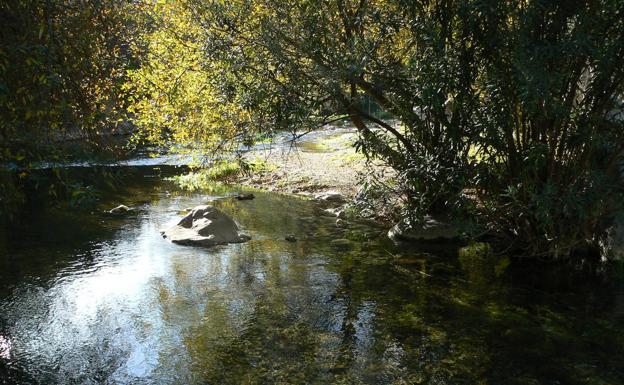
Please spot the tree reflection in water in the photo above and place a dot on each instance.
(120, 304)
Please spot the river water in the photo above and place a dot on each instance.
(90, 299)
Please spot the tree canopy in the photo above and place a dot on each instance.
(506, 115)
(62, 68)
(507, 111)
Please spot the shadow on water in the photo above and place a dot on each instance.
(89, 299)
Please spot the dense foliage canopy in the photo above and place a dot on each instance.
(506, 114)
(62, 67)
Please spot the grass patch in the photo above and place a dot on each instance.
(220, 171)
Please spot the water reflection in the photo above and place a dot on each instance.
(126, 306)
(5, 347)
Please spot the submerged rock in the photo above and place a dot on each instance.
(245, 197)
(205, 226)
(340, 212)
(341, 244)
(429, 229)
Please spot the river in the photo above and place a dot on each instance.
(90, 299)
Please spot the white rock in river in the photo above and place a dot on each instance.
(120, 210)
(330, 197)
(429, 229)
(205, 226)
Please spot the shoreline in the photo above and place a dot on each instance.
(327, 162)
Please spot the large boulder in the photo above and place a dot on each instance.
(205, 226)
(426, 230)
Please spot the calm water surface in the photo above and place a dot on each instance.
(89, 299)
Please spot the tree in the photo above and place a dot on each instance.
(507, 109)
(177, 95)
(62, 68)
